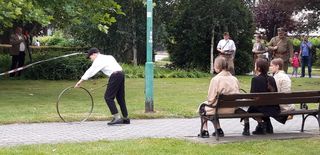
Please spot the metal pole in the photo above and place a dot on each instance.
(149, 62)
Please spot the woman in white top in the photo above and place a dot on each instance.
(283, 81)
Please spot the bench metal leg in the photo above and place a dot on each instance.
(202, 123)
(303, 121)
(318, 118)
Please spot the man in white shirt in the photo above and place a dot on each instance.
(115, 89)
(227, 49)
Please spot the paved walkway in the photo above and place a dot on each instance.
(41, 133)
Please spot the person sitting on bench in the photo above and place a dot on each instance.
(264, 83)
(223, 83)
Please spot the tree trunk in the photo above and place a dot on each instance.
(134, 48)
(134, 38)
(211, 50)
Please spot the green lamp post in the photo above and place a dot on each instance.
(149, 62)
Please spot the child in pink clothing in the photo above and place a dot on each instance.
(295, 63)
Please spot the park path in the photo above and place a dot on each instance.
(51, 133)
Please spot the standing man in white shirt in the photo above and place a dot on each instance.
(17, 51)
(227, 49)
(115, 89)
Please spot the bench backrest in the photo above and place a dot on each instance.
(268, 98)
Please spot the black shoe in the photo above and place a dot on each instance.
(115, 121)
(246, 129)
(220, 133)
(260, 129)
(204, 134)
(126, 120)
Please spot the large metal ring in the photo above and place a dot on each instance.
(67, 89)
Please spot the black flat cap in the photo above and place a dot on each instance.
(91, 51)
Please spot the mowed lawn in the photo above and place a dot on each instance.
(35, 100)
(308, 146)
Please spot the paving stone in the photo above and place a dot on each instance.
(44, 133)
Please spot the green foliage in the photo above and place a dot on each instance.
(58, 13)
(5, 61)
(241, 67)
(315, 41)
(296, 43)
(190, 32)
(160, 72)
(317, 57)
(72, 68)
(126, 34)
(59, 41)
(64, 68)
(21, 11)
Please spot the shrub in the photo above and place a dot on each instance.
(5, 61)
(317, 57)
(243, 62)
(296, 44)
(72, 68)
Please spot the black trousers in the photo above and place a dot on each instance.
(16, 62)
(115, 89)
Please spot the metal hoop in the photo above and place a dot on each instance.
(69, 88)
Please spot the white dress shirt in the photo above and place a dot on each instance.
(226, 45)
(105, 63)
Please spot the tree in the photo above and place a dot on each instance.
(270, 14)
(57, 13)
(194, 25)
(125, 38)
(20, 12)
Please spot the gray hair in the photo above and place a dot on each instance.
(220, 63)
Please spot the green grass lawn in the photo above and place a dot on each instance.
(315, 71)
(173, 146)
(34, 101)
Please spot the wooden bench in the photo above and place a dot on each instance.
(261, 99)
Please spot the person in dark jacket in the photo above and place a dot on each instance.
(264, 83)
(17, 51)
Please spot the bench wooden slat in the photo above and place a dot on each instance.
(270, 101)
(243, 115)
(269, 95)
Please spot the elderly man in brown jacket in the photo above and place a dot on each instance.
(281, 47)
(17, 40)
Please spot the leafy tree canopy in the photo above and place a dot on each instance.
(270, 14)
(59, 13)
(21, 11)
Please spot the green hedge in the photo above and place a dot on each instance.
(72, 68)
(5, 48)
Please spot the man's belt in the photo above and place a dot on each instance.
(227, 52)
